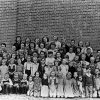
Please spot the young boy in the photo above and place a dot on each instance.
(88, 83)
(3, 68)
(24, 85)
(7, 84)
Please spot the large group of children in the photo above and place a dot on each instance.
(43, 68)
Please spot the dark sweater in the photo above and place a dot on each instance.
(88, 81)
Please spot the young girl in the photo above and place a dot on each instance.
(68, 90)
(12, 69)
(97, 81)
(35, 66)
(44, 88)
(52, 85)
(88, 82)
(37, 85)
(64, 68)
(75, 85)
(24, 84)
(19, 68)
(60, 84)
(80, 85)
(7, 84)
(28, 66)
(16, 84)
(3, 68)
(30, 86)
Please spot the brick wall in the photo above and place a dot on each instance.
(8, 21)
(78, 19)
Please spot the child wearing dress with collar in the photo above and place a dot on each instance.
(30, 86)
(52, 85)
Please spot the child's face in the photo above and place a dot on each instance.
(76, 58)
(24, 77)
(92, 60)
(80, 78)
(30, 78)
(53, 74)
(35, 60)
(50, 55)
(13, 48)
(41, 45)
(97, 58)
(19, 61)
(56, 63)
(64, 61)
(71, 50)
(75, 74)
(28, 59)
(35, 54)
(58, 55)
(22, 45)
(69, 75)
(52, 46)
(78, 50)
(45, 76)
(43, 61)
(3, 62)
(71, 64)
(80, 43)
(42, 54)
(14, 56)
(16, 76)
(83, 57)
(32, 45)
(37, 74)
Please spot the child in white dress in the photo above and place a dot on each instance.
(52, 85)
(64, 68)
(30, 86)
(68, 91)
(60, 86)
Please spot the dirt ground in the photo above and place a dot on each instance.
(24, 97)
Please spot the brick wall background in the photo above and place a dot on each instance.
(78, 19)
(8, 21)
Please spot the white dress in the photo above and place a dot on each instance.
(60, 89)
(44, 88)
(53, 91)
(64, 70)
(68, 91)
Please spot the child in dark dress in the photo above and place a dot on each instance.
(16, 83)
(24, 84)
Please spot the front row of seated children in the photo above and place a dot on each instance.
(54, 85)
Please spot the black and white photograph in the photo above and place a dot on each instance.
(49, 49)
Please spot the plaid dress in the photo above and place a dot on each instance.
(37, 86)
